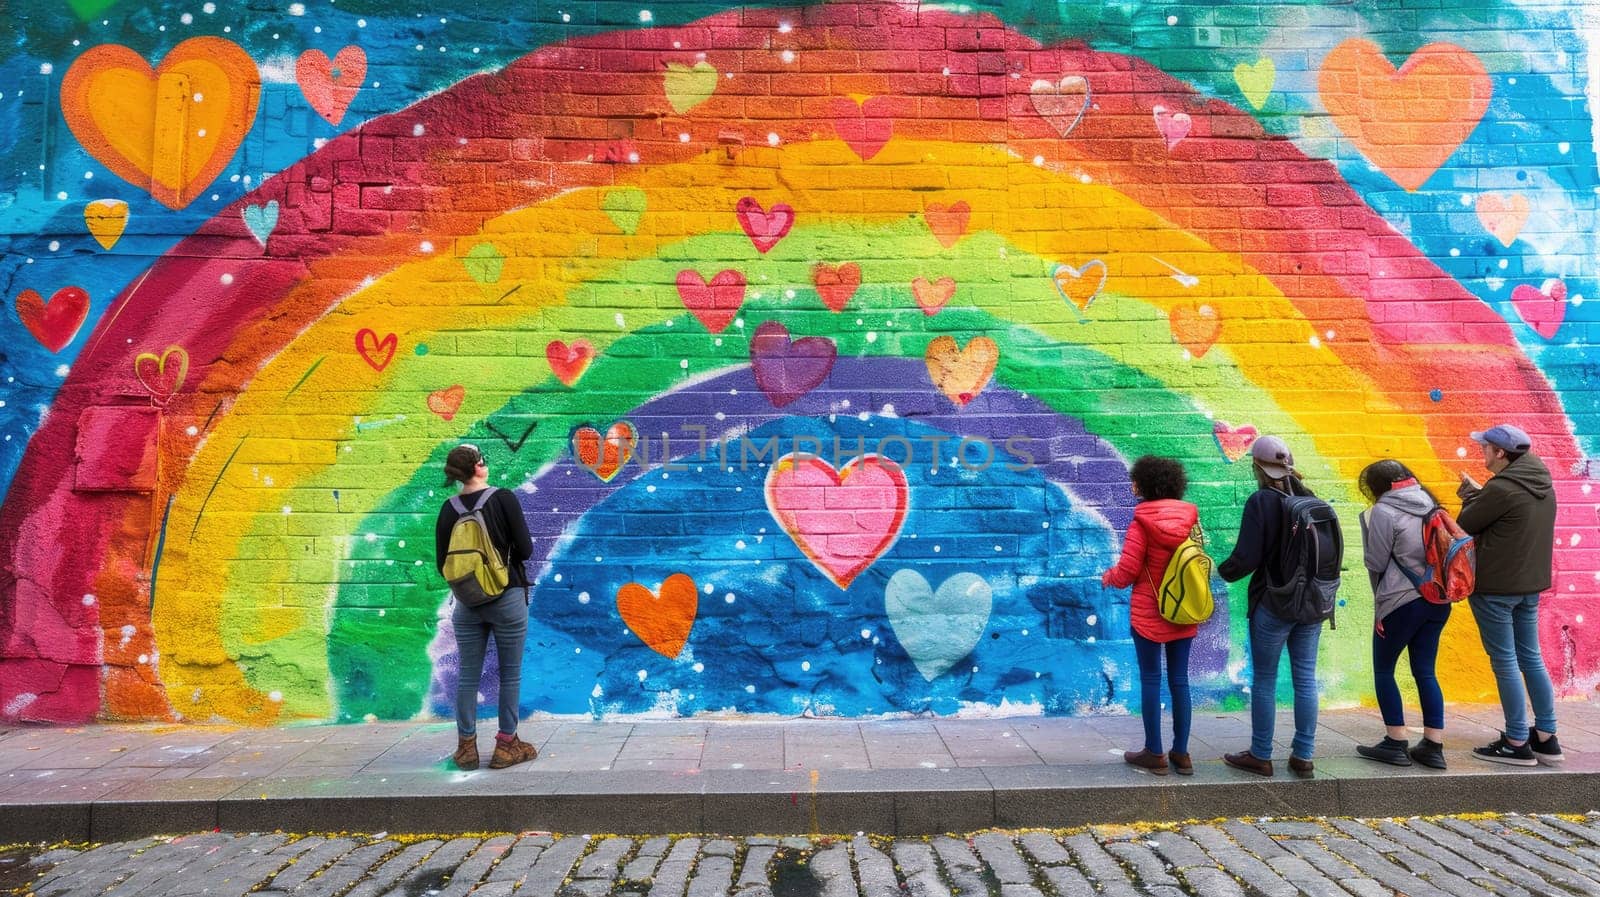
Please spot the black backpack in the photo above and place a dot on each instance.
(1303, 584)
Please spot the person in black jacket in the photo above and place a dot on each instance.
(506, 617)
(1257, 550)
(1513, 519)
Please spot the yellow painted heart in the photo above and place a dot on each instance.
(1079, 286)
(163, 374)
(1255, 80)
(689, 86)
(171, 129)
(106, 219)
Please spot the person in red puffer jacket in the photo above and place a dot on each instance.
(1161, 521)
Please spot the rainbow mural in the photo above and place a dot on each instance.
(815, 341)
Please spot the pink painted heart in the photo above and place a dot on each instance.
(1503, 216)
(714, 304)
(1061, 103)
(569, 362)
(1174, 126)
(331, 85)
(1234, 441)
(842, 520)
(765, 228)
(865, 127)
(787, 370)
(1543, 308)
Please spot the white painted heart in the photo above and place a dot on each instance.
(938, 628)
(1062, 103)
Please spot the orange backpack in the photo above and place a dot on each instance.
(1452, 560)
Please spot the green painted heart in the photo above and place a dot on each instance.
(689, 86)
(624, 207)
(484, 262)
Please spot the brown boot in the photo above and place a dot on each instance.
(510, 752)
(467, 753)
(1249, 763)
(1181, 763)
(1152, 763)
(1305, 769)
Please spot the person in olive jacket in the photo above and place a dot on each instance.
(1513, 519)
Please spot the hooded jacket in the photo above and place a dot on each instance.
(1513, 519)
(1391, 531)
(1158, 527)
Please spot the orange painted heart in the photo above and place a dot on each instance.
(1080, 286)
(962, 373)
(1406, 121)
(948, 222)
(1195, 329)
(604, 457)
(374, 351)
(661, 621)
(56, 322)
(171, 129)
(446, 402)
(1234, 441)
(569, 362)
(932, 296)
(835, 285)
(163, 374)
(331, 85)
(1503, 216)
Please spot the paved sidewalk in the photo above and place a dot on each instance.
(1512, 856)
(737, 777)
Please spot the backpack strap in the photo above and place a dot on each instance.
(483, 499)
(459, 506)
(1417, 579)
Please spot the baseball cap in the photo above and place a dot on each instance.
(1504, 436)
(1272, 455)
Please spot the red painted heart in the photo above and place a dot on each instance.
(835, 285)
(375, 351)
(1234, 441)
(865, 127)
(331, 85)
(714, 304)
(56, 322)
(446, 402)
(948, 222)
(569, 362)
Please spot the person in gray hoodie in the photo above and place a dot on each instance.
(1513, 519)
(1392, 543)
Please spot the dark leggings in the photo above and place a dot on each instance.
(1415, 629)
(1149, 655)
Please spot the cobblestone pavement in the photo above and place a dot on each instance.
(1451, 856)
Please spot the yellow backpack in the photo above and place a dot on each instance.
(1184, 595)
(472, 565)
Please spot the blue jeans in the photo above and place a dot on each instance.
(1268, 636)
(1149, 655)
(1509, 627)
(507, 618)
(1415, 629)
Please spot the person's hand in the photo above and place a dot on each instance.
(1469, 483)
(1105, 578)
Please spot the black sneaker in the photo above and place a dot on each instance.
(1502, 751)
(1548, 751)
(1428, 753)
(1390, 750)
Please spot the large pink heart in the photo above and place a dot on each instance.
(1234, 441)
(331, 85)
(1544, 307)
(844, 519)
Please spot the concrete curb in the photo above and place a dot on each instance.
(899, 802)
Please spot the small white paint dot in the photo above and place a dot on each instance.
(209, 8)
(728, 598)
(1038, 161)
(645, 15)
(187, 18)
(1172, 20)
(46, 68)
(805, 665)
(226, 279)
(643, 675)
(417, 129)
(1461, 452)
(193, 431)
(1563, 147)
(427, 246)
(787, 56)
(88, 600)
(1316, 341)
(54, 245)
(61, 195)
(1455, 253)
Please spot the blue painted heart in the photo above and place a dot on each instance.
(261, 220)
(938, 628)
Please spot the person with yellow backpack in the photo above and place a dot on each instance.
(1163, 560)
(481, 540)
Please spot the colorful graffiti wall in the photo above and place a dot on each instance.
(815, 341)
